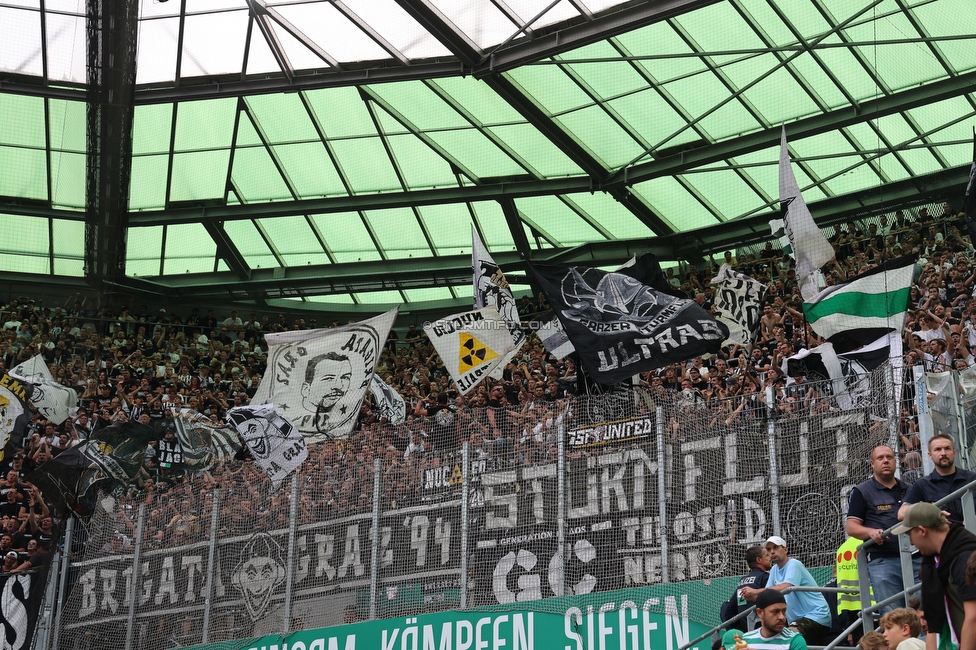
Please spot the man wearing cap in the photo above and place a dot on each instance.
(944, 479)
(10, 561)
(807, 610)
(945, 548)
(873, 509)
(772, 634)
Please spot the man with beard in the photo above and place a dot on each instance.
(945, 479)
(773, 633)
(327, 379)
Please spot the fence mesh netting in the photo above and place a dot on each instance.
(657, 488)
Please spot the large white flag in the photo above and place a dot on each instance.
(491, 290)
(387, 401)
(277, 446)
(471, 344)
(51, 399)
(810, 248)
(318, 378)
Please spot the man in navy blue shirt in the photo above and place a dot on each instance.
(945, 479)
(873, 509)
(759, 563)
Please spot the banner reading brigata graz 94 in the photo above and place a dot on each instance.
(717, 501)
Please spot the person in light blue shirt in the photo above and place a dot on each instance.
(806, 611)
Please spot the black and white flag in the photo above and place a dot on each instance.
(491, 290)
(20, 600)
(51, 399)
(202, 442)
(738, 304)
(276, 445)
(318, 378)
(620, 326)
(388, 401)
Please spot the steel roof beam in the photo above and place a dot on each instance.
(560, 40)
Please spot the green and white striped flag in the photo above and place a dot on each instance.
(858, 312)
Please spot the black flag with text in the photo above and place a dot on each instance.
(620, 326)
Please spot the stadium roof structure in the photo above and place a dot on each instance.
(333, 154)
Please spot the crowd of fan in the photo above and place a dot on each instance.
(145, 364)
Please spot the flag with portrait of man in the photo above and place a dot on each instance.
(318, 378)
(491, 290)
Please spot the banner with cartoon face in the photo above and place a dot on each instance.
(15, 413)
(318, 378)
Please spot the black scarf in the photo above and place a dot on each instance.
(935, 580)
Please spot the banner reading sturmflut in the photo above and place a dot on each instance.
(471, 344)
(318, 378)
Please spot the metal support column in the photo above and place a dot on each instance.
(374, 557)
(773, 478)
(290, 565)
(69, 532)
(662, 500)
(465, 513)
(136, 572)
(560, 588)
(212, 567)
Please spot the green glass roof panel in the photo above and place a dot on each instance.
(476, 152)
(718, 27)
(341, 113)
(305, 258)
(292, 236)
(69, 239)
(22, 121)
(256, 178)
(426, 295)
(26, 235)
(806, 18)
(69, 266)
(940, 119)
(848, 70)
(198, 176)
(67, 125)
(151, 127)
(205, 124)
(485, 106)
(200, 57)
(398, 233)
(898, 132)
(449, 227)
(147, 188)
(25, 263)
(763, 17)
(494, 228)
(346, 236)
(365, 166)
(610, 214)
(420, 166)
(544, 158)
(249, 242)
(606, 80)
(419, 105)
(780, 98)
(815, 75)
(725, 190)
(144, 246)
(332, 298)
(20, 32)
(551, 88)
(890, 64)
(23, 173)
(651, 117)
(161, 37)
(597, 130)
(282, 118)
(189, 249)
(668, 198)
(730, 120)
(379, 297)
(659, 39)
(894, 170)
(558, 220)
(68, 179)
(66, 53)
(310, 170)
